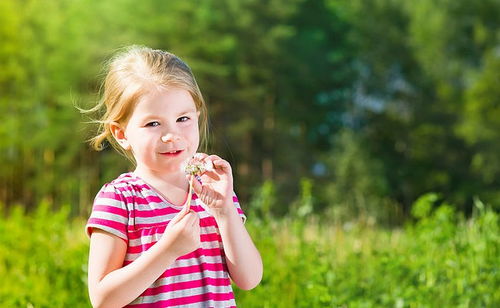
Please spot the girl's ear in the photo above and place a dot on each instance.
(119, 134)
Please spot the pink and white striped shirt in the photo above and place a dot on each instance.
(132, 210)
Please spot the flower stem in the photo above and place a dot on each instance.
(187, 205)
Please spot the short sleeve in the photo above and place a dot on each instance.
(236, 203)
(109, 213)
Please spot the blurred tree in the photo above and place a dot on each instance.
(413, 84)
(415, 65)
(481, 128)
(287, 86)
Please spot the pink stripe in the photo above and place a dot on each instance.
(189, 300)
(204, 238)
(211, 237)
(108, 223)
(235, 198)
(204, 222)
(188, 269)
(193, 269)
(131, 186)
(155, 212)
(143, 201)
(208, 221)
(129, 199)
(111, 209)
(224, 282)
(201, 251)
(196, 253)
(139, 227)
(138, 234)
(110, 195)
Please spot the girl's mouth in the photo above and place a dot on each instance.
(172, 153)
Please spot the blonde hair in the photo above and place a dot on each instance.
(133, 73)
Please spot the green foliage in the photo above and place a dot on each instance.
(264, 200)
(423, 205)
(355, 188)
(303, 207)
(377, 101)
(440, 260)
(43, 258)
(426, 96)
(52, 55)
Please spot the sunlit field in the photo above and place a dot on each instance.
(439, 259)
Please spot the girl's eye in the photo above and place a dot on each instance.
(182, 119)
(153, 124)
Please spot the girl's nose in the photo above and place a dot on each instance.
(169, 137)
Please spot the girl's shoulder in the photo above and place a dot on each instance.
(125, 184)
(128, 179)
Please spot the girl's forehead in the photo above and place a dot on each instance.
(170, 99)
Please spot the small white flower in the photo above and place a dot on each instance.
(195, 166)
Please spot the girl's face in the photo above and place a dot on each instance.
(162, 131)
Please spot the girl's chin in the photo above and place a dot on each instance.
(161, 168)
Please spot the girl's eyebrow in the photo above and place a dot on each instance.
(150, 115)
(190, 110)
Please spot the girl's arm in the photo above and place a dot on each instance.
(111, 285)
(242, 257)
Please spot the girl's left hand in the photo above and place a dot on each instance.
(216, 187)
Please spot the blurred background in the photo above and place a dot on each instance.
(364, 137)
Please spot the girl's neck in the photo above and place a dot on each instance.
(177, 178)
(172, 185)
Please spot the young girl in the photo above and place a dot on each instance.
(153, 243)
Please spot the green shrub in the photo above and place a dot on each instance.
(439, 260)
(43, 258)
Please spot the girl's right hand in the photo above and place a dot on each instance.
(183, 233)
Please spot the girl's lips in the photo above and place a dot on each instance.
(172, 153)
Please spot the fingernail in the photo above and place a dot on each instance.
(209, 165)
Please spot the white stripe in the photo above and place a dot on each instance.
(107, 201)
(160, 219)
(188, 277)
(110, 216)
(209, 304)
(126, 183)
(181, 293)
(146, 239)
(105, 228)
(130, 257)
(152, 205)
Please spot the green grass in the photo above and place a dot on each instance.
(439, 259)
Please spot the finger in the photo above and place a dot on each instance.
(210, 176)
(201, 191)
(200, 156)
(196, 186)
(221, 164)
(212, 157)
(179, 216)
(208, 195)
(192, 218)
(218, 162)
(196, 220)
